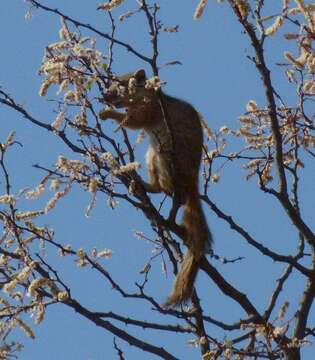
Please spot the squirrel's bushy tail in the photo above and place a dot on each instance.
(184, 282)
(198, 240)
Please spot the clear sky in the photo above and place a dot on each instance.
(218, 79)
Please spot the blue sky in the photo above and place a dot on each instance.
(218, 79)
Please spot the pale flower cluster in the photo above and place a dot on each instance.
(57, 124)
(154, 83)
(242, 7)
(81, 258)
(80, 120)
(224, 130)
(274, 333)
(306, 58)
(251, 106)
(4, 260)
(25, 215)
(53, 201)
(110, 160)
(215, 178)
(200, 9)
(39, 308)
(132, 86)
(42, 282)
(74, 168)
(62, 296)
(207, 130)
(69, 62)
(109, 5)
(279, 331)
(35, 194)
(210, 355)
(271, 30)
(54, 184)
(93, 185)
(309, 87)
(106, 253)
(40, 231)
(20, 277)
(7, 199)
(127, 168)
(66, 250)
(125, 16)
(9, 141)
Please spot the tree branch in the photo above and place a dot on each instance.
(131, 340)
(77, 23)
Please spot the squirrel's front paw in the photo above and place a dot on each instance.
(105, 114)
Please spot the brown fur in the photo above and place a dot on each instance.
(184, 281)
(172, 162)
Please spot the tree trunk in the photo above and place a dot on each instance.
(293, 354)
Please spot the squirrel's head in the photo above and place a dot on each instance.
(126, 90)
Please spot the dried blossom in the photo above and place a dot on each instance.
(298, 62)
(36, 284)
(212, 154)
(127, 168)
(224, 130)
(228, 353)
(35, 194)
(7, 199)
(200, 9)
(66, 250)
(207, 130)
(54, 185)
(59, 120)
(154, 83)
(126, 15)
(242, 7)
(171, 29)
(28, 214)
(271, 30)
(63, 296)
(28, 15)
(110, 160)
(80, 119)
(291, 36)
(110, 5)
(28, 331)
(75, 168)
(141, 137)
(10, 139)
(309, 87)
(106, 253)
(40, 313)
(44, 87)
(53, 201)
(69, 96)
(93, 185)
(10, 286)
(215, 178)
(280, 330)
(251, 106)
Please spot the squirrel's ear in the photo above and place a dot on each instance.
(140, 76)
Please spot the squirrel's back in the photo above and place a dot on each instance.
(180, 146)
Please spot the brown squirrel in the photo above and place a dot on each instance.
(173, 160)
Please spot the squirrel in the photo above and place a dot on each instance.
(173, 159)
